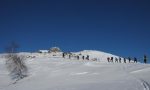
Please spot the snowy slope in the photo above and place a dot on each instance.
(48, 72)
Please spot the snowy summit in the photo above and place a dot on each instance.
(73, 71)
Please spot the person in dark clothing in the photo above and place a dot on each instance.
(63, 55)
(87, 57)
(83, 57)
(78, 57)
(124, 60)
(112, 59)
(129, 59)
(145, 59)
(69, 56)
(116, 60)
(135, 60)
(108, 59)
(119, 59)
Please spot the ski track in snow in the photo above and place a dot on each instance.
(145, 84)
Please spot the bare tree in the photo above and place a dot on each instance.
(15, 62)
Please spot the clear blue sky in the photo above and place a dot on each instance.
(121, 27)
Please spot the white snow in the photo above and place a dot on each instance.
(48, 72)
(43, 51)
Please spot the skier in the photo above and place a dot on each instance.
(129, 59)
(145, 59)
(135, 60)
(124, 60)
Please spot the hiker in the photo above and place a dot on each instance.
(78, 57)
(129, 59)
(135, 60)
(145, 59)
(63, 55)
(119, 59)
(108, 59)
(112, 59)
(69, 56)
(83, 57)
(124, 60)
(87, 57)
(116, 60)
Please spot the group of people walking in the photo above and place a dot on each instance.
(109, 59)
(125, 60)
(78, 57)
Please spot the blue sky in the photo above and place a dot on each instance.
(121, 27)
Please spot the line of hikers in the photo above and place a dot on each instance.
(109, 59)
(75, 56)
(119, 60)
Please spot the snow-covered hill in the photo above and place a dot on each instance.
(52, 72)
